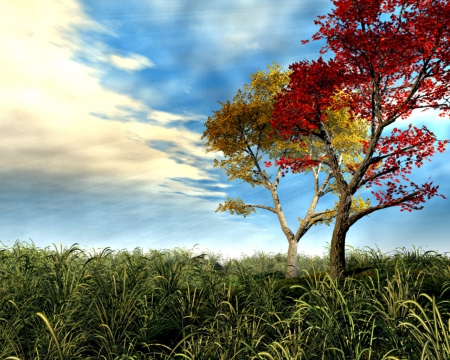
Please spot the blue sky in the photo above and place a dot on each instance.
(102, 111)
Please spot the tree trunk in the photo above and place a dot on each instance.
(291, 265)
(337, 248)
(337, 255)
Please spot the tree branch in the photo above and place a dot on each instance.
(263, 207)
(354, 218)
(385, 172)
(379, 158)
(321, 213)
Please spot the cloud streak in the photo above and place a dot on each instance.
(206, 47)
(102, 110)
(131, 62)
(49, 104)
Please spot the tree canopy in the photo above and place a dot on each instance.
(391, 57)
(242, 131)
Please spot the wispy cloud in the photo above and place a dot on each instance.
(132, 62)
(50, 106)
(205, 47)
(102, 110)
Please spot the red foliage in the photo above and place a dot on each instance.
(391, 58)
(396, 46)
(396, 156)
(302, 104)
(295, 165)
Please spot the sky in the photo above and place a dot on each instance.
(102, 110)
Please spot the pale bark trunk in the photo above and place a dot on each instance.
(291, 264)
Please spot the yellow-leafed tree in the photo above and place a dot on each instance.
(241, 130)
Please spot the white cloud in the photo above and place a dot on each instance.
(98, 53)
(132, 62)
(252, 46)
(48, 101)
(228, 30)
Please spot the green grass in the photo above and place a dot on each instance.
(66, 303)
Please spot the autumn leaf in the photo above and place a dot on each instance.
(390, 58)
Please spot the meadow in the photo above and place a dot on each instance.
(68, 303)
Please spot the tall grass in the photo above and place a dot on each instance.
(67, 303)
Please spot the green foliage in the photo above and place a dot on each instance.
(71, 304)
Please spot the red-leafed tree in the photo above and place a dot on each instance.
(391, 57)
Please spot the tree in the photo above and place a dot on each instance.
(391, 58)
(241, 131)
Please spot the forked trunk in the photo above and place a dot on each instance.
(291, 266)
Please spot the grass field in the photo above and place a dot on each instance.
(66, 303)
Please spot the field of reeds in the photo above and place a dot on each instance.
(67, 303)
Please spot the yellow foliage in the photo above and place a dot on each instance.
(326, 218)
(358, 204)
(347, 135)
(241, 130)
(236, 206)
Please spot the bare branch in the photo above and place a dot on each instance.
(265, 208)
